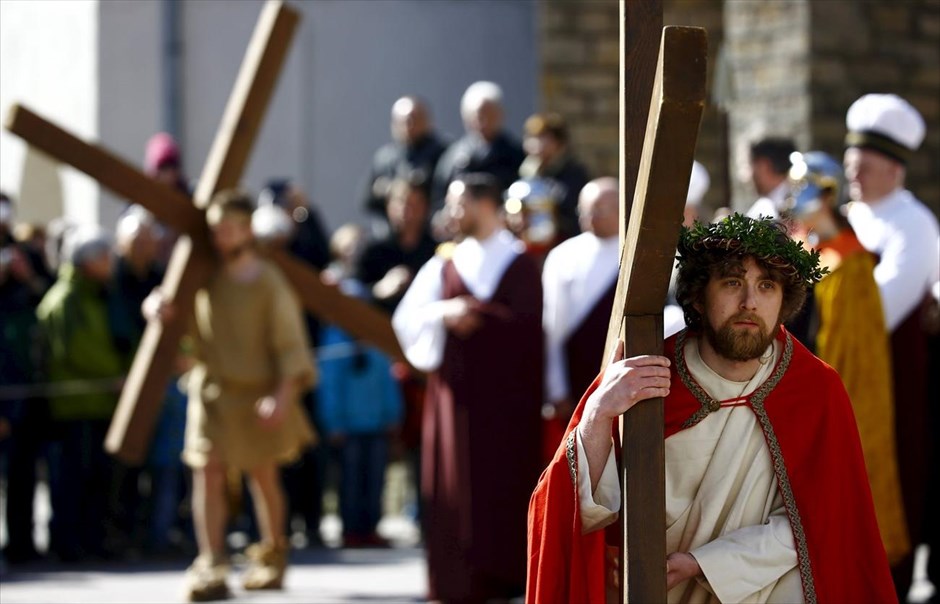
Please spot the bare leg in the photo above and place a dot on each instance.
(210, 509)
(268, 496)
(267, 560)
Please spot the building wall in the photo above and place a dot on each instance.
(49, 62)
(768, 57)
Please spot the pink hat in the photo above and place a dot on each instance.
(161, 150)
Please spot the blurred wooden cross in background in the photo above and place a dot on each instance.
(661, 106)
(193, 258)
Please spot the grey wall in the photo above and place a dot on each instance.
(129, 80)
(349, 62)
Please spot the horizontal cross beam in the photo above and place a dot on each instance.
(168, 205)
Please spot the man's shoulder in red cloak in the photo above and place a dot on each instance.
(814, 445)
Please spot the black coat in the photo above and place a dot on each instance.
(572, 176)
(385, 254)
(395, 160)
(501, 158)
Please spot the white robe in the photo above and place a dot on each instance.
(904, 234)
(722, 501)
(575, 276)
(419, 318)
(771, 204)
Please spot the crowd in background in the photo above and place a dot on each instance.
(70, 324)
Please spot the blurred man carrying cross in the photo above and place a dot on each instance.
(252, 365)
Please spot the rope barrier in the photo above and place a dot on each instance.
(21, 392)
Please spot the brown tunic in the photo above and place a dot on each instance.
(481, 443)
(248, 337)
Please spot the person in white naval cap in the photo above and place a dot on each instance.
(884, 131)
(579, 280)
(699, 181)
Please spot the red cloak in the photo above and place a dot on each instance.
(810, 430)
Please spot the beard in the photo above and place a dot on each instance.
(739, 344)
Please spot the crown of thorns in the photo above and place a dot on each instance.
(762, 238)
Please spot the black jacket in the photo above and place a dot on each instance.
(501, 158)
(395, 160)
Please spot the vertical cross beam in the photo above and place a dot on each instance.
(647, 257)
(641, 27)
(192, 258)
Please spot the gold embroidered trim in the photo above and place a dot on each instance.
(570, 453)
(783, 482)
(710, 405)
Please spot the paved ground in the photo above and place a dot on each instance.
(317, 576)
(327, 575)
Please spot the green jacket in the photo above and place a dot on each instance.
(73, 316)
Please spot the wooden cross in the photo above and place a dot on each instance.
(648, 243)
(193, 259)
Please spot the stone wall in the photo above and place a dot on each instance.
(713, 143)
(767, 61)
(787, 68)
(580, 54)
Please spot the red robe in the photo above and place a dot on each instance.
(810, 430)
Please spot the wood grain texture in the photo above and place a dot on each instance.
(647, 257)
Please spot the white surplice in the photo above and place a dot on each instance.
(771, 204)
(575, 276)
(904, 234)
(419, 320)
(722, 501)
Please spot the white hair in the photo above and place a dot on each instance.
(85, 243)
(271, 222)
(479, 93)
(132, 222)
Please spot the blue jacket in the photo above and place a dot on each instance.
(357, 393)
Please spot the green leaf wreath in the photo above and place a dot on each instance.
(762, 238)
